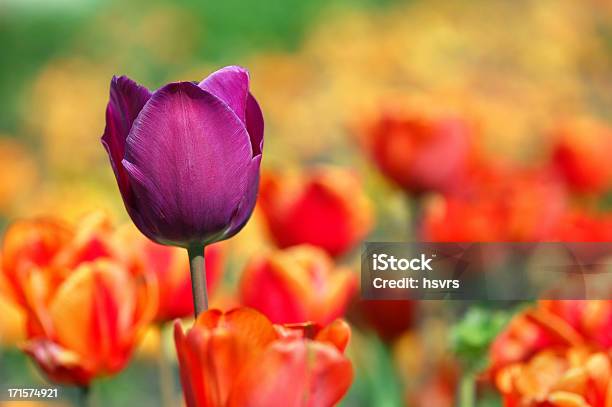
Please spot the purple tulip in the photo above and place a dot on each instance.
(186, 157)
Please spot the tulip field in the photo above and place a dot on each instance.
(188, 191)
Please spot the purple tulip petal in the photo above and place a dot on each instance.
(255, 125)
(246, 206)
(231, 85)
(127, 99)
(186, 156)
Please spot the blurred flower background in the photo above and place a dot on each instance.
(386, 120)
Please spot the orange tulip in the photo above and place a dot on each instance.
(91, 324)
(28, 248)
(419, 153)
(240, 359)
(556, 354)
(591, 319)
(581, 154)
(39, 254)
(572, 378)
(325, 207)
(84, 306)
(553, 325)
(170, 267)
(296, 285)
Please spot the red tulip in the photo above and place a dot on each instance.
(581, 226)
(170, 267)
(389, 318)
(581, 154)
(296, 285)
(498, 205)
(239, 359)
(325, 207)
(419, 153)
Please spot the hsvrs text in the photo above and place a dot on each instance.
(416, 283)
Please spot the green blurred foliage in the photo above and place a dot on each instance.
(376, 382)
(28, 41)
(472, 335)
(32, 34)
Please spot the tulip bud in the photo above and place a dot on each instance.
(92, 324)
(325, 207)
(84, 306)
(420, 154)
(498, 205)
(296, 285)
(39, 254)
(186, 157)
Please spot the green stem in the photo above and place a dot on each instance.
(198, 278)
(415, 209)
(84, 396)
(165, 371)
(467, 390)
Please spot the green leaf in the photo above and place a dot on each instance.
(472, 336)
(376, 382)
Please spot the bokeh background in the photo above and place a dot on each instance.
(512, 70)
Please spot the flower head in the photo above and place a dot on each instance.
(85, 308)
(572, 378)
(92, 323)
(296, 285)
(554, 324)
(325, 207)
(419, 153)
(39, 254)
(239, 358)
(186, 157)
(556, 354)
(499, 204)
